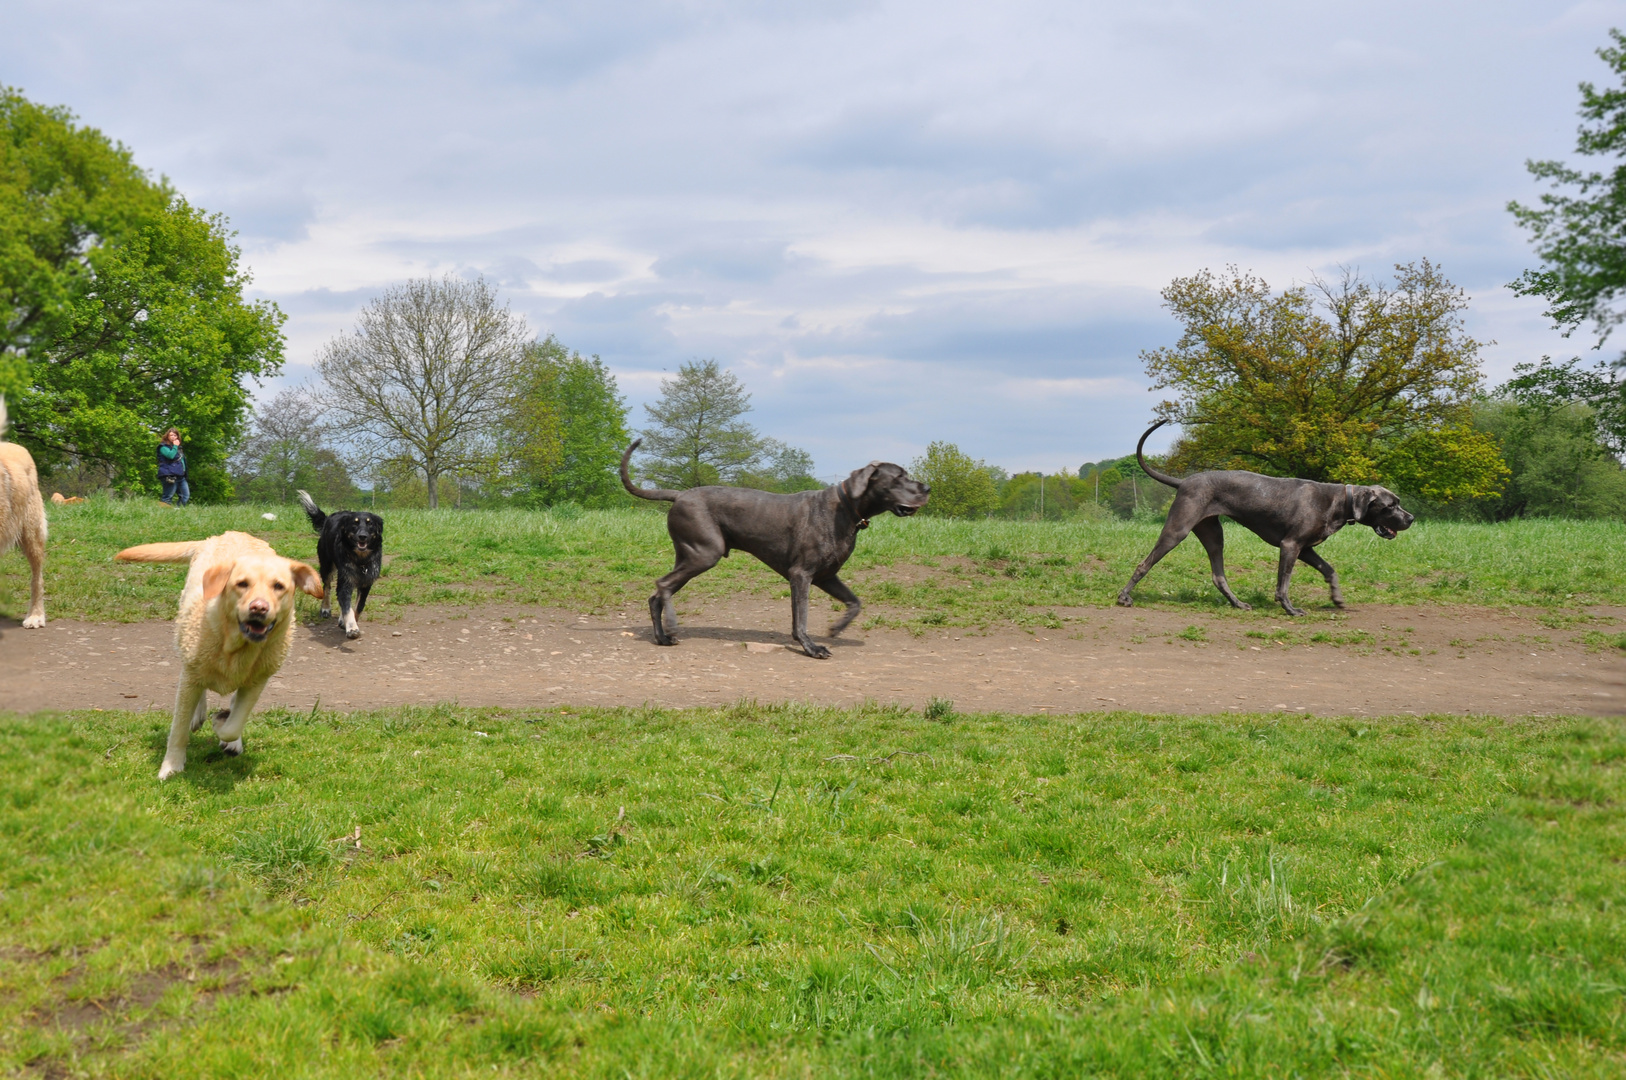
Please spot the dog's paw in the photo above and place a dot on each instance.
(352, 632)
(817, 652)
(34, 622)
(324, 613)
(233, 748)
(169, 769)
(1125, 600)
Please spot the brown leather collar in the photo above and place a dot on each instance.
(845, 498)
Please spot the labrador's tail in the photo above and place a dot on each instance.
(176, 552)
(1160, 477)
(655, 494)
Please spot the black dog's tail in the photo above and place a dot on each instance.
(312, 511)
(1160, 477)
(656, 494)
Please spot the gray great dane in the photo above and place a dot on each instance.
(1293, 515)
(807, 537)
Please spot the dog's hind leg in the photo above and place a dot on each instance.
(326, 611)
(1313, 557)
(1212, 537)
(362, 590)
(693, 559)
(188, 700)
(838, 589)
(1284, 575)
(800, 582)
(33, 544)
(1174, 531)
(229, 725)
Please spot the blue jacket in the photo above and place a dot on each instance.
(171, 461)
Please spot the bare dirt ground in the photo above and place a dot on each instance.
(1381, 660)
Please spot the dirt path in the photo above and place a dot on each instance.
(1387, 660)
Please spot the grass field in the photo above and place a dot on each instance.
(795, 891)
(978, 573)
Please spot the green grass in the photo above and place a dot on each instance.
(793, 891)
(914, 573)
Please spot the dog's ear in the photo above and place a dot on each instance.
(305, 578)
(858, 482)
(215, 578)
(1363, 501)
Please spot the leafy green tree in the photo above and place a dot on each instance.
(1559, 469)
(1599, 387)
(698, 436)
(566, 428)
(121, 308)
(1581, 236)
(961, 486)
(1340, 384)
(288, 450)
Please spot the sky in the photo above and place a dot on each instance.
(896, 222)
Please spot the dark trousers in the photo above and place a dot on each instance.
(175, 488)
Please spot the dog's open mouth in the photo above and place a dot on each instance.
(255, 630)
(904, 511)
(1385, 532)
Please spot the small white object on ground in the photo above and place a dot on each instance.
(269, 517)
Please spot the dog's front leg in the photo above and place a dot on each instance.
(799, 585)
(1314, 558)
(229, 725)
(347, 606)
(34, 548)
(188, 698)
(1284, 576)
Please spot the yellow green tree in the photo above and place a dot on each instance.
(1353, 381)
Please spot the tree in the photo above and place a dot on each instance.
(566, 427)
(427, 377)
(961, 487)
(1600, 388)
(696, 435)
(1558, 467)
(781, 467)
(1581, 237)
(121, 308)
(287, 451)
(1268, 382)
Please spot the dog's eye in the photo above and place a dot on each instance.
(243, 584)
(279, 586)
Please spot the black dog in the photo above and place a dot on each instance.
(351, 544)
(806, 537)
(1294, 515)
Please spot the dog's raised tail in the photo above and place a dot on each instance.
(1160, 477)
(656, 494)
(176, 552)
(312, 511)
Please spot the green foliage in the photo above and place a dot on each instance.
(1446, 465)
(697, 435)
(566, 428)
(961, 487)
(771, 891)
(1558, 468)
(128, 303)
(1581, 237)
(1599, 389)
(1270, 383)
(781, 468)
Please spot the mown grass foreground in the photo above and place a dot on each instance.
(797, 891)
(975, 572)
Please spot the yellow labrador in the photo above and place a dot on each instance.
(237, 612)
(22, 519)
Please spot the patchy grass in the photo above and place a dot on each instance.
(785, 891)
(914, 574)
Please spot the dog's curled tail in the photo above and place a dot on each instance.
(176, 552)
(312, 511)
(1160, 477)
(657, 494)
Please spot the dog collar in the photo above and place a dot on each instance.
(1349, 496)
(846, 499)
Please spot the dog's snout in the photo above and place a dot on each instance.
(259, 605)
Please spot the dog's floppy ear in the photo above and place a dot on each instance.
(858, 482)
(1363, 501)
(215, 578)
(305, 578)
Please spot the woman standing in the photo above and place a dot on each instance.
(172, 469)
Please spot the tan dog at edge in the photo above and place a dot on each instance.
(22, 519)
(237, 612)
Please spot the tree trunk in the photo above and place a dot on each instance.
(434, 489)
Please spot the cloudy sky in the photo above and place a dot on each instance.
(895, 221)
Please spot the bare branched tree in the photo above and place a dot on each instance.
(426, 376)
